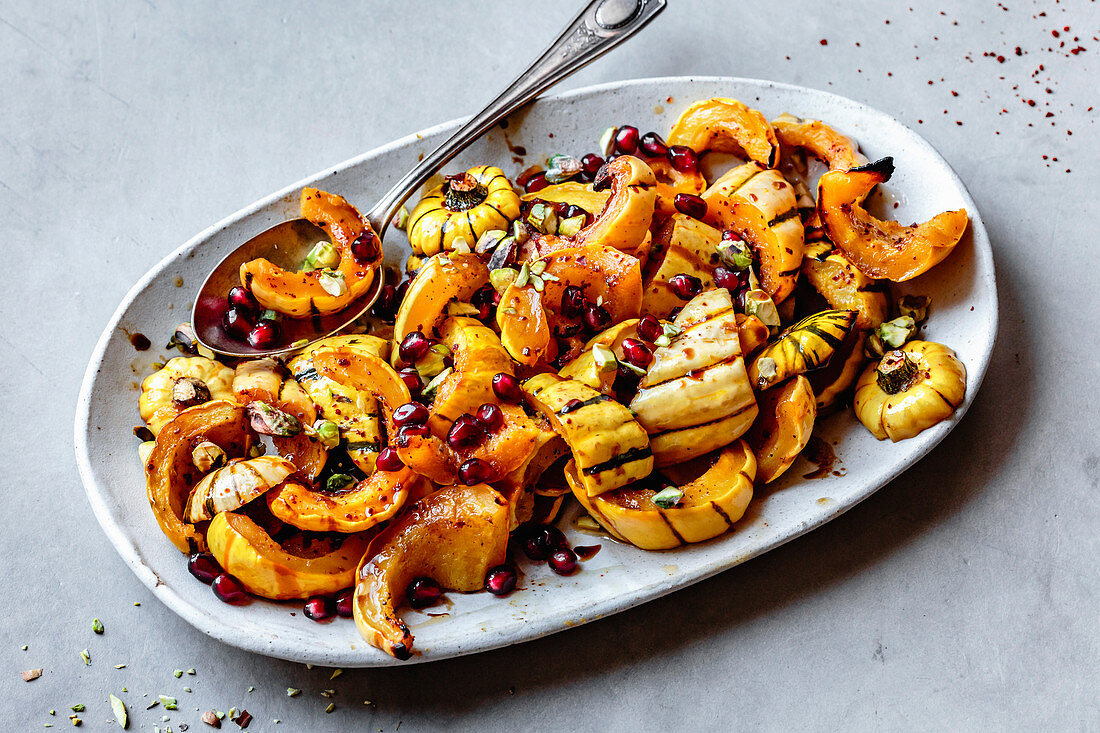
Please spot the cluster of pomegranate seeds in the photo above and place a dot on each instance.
(344, 601)
(475, 471)
(506, 387)
(466, 432)
(685, 286)
(413, 347)
(731, 280)
(546, 542)
(690, 205)
(228, 589)
(501, 580)
(651, 145)
(319, 608)
(388, 460)
(423, 592)
(203, 566)
(637, 353)
(649, 328)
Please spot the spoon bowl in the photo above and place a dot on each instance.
(286, 244)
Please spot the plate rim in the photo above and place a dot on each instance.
(211, 626)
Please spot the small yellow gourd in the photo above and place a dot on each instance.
(464, 206)
(158, 403)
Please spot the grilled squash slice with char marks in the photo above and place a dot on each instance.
(267, 569)
(695, 396)
(682, 245)
(711, 503)
(783, 428)
(610, 449)
(233, 486)
(478, 356)
(585, 368)
(442, 279)
(760, 206)
(726, 126)
(842, 285)
(157, 404)
(802, 347)
(453, 536)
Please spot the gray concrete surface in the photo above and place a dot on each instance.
(963, 596)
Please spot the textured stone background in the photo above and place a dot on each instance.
(963, 595)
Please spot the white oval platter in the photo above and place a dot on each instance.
(964, 316)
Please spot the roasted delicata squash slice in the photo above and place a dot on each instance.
(610, 448)
(623, 223)
(693, 510)
(802, 347)
(882, 249)
(672, 181)
(521, 485)
(682, 245)
(234, 485)
(317, 292)
(441, 279)
(574, 193)
(453, 536)
(267, 569)
(834, 149)
(463, 207)
(727, 126)
(357, 414)
(355, 509)
(526, 310)
(170, 472)
(760, 206)
(842, 284)
(597, 374)
(695, 396)
(909, 390)
(783, 427)
(752, 333)
(837, 378)
(266, 380)
(478, 356)
(183, 382)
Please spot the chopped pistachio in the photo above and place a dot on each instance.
(537, 283)
(604, 358)
(502, 278)
(670, 329)
(914, 306)
(322, 255)
(543, 217)
(336, 673)
(97, 626)
(178, 673)
(251, 688)
(523, 276)
(758, 303)
(640, 372)
(270, 315)
(520, 231)
(254, 452)
(137, 603)
(299, 343)
(293, 692)
(327, 432)
(191, 671)
(268, 420)
(547, 277)
(510, 311)
(207, 456)
(25, 647)
(460, 246)
(896, 332)
(767, 368)
(169, 703)
(538, 267)
(436, 381)
(331, 707)
(188, 392)
(401, 220)
(78, 708)
(569, 227)
(662, 340)
(668, 497)
(456, 308)
(735, 254)
(86, 657)
(560, 168)
(336, 482)
(332, 282)
(220, 714)
(120, 666)
(187, 689)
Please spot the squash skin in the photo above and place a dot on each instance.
(934, 395)
(711, 505)
(434, 228)
(442, 279)
(802, 347)
(265, 569)
(834, 149)
(155, 404)
(838, 377)
(726, 126)
(783, 427)
(300, 294)
(524, 314)
(170, 473)
(760, 205)
(453, 536)
(882, 249)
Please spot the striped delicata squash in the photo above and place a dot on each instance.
(183, 382)
(802, 347)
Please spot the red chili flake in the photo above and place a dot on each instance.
(954, 93)
(1019, 51)
(1050, 114)
(1031, 103)
(1055, 33)
(1000, 59)
(959, 123)
(824, 41)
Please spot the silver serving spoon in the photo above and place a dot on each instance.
(601, 26)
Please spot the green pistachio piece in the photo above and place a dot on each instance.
(502, 278)
(604, 358)
(915, 306)
(668, 497)
(569, 227)
(322, 255)
(759, 304)
(488, 241)
(896, 332)
(338, 481)
(328, 433)
(523, 276)
(332, 282)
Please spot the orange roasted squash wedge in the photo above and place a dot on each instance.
(726, 126)
(882, 249)
(441, 279)
(453, 536)
(709, 504)
(834, 149)
(268, 569)
(360, 507)
(478, 356)
(782, 428)
(300, 294)
(170, 473)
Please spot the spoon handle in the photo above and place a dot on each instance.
(597, 29)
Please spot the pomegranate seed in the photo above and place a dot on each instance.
(466, 432)
(507, 388)
(412, 380)
(653, 146)
(637, 353)
(563, 562)
(568, 407)
(683, 159)
(237, 323)
(204, 567)
(475, 471)
(423, 592)
(649, 328)
(554, 537)
(366, 248)
(501, 580)
(536, 182)
(690, 205)
(318, 608)
(534, 545)
(491, 416)
(730, 280)
(264, 335)
(388, 460)
(626, 140)
(244, 300)
(410, 413)
(413, 347)
(730, 235)
(386, 305)
(409, 431)
(572, 301)
(591, 164)
(228, 588)
(344, 601)
(485, 299)
(596, 317)
(685, 286)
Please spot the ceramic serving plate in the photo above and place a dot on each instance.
(964, 317)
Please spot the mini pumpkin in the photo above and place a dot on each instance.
(464, 206)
